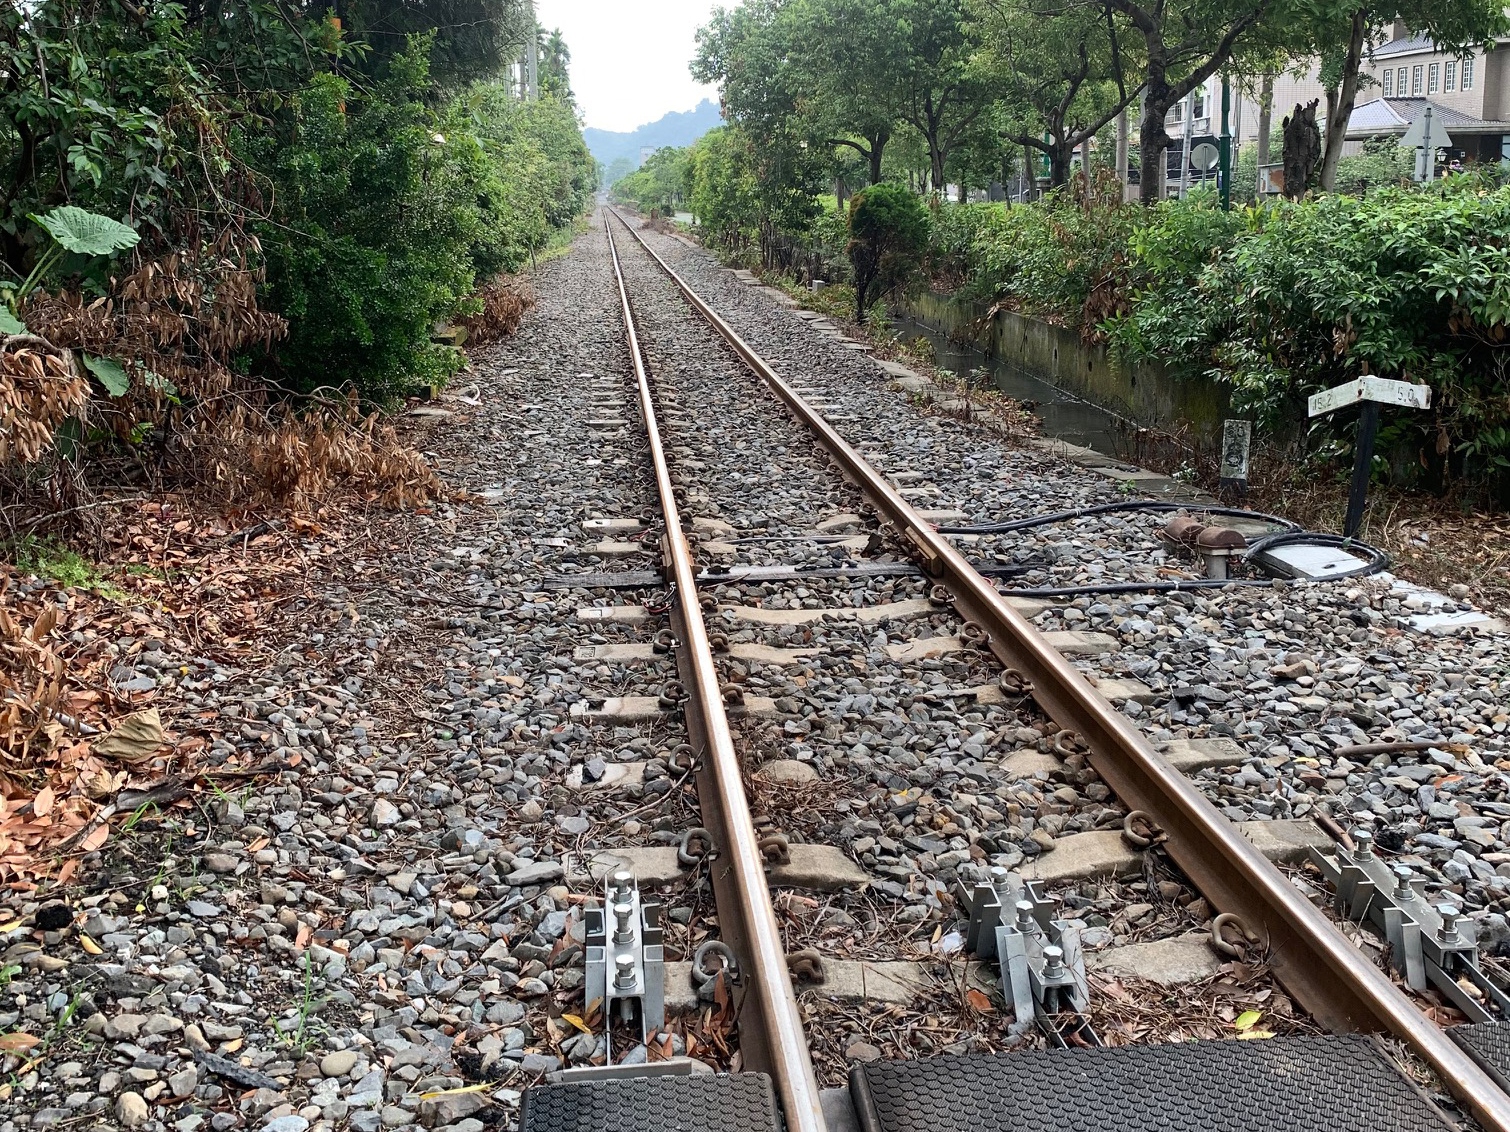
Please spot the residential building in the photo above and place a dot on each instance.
(1468, 93)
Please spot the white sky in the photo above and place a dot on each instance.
(629, 57)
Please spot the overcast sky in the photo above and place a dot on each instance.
(629, 57)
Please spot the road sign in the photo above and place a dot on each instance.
(1384, 390)
(1205, 156)
(1416, 135)
(1372, 392)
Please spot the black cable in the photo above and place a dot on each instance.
(1288, 534)
(1120, 505)
(1378, 561)
(1140, 587)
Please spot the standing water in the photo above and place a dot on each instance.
(1064, 416)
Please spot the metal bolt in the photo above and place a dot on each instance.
(624, 931)
(999, 877)
(1363, 845)
(623, 972)
(623, 885)
(1403, 875)
(1025, 921)
(1053, 962)
(1448, 933)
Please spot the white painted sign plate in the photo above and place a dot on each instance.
(1385, 390)
(1415, 136)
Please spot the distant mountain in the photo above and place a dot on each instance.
(678, 128)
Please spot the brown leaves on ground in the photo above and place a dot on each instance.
(73, 744)
(305, 459)
(1241, 1000)
(505, 302)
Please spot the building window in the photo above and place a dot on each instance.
(1468, 73)
(1400, 83)
(1450, 77)
(1417, 74)
(1434, 78)
(1389, 82)
(1200, 104)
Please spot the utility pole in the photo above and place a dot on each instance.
(1185, 144)
(1123, 137)
(1265, 125)
(532, 56)
(1226, 147)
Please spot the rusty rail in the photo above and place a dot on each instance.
(770, 1025)
(1330, 977)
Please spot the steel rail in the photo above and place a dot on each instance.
(770, 1024)
(1330, 977)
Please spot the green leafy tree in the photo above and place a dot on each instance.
(1064, 73)
(944, 88)
(470, 40)
(555, 68)
(854, 60)
(724, 194)
(888, 236)
(1182, 44)
(662, 183)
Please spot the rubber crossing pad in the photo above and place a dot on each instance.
(1488, 1043)
(723, 1102)
(1341, 1083)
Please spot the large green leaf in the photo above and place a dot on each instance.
(111, 375)
(9, 323)
(87, 233)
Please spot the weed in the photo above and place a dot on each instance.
(7, 973)
(50, 559)
(138, 814)
(303, 1036)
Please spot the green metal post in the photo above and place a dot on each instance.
(1226, 147)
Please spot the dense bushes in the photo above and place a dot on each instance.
(1277, 301)
(888, 234)
(391, 213)
(1405, 284)
(369, 195)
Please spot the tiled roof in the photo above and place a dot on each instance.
(1406, 45)
(1396, 115)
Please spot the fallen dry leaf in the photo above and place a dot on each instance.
(135, 739)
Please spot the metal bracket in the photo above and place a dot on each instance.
(626, 969)
(1042, 965)
(1429, 945)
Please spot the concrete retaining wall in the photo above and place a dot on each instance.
(1141, 392)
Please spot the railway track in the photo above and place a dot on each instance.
(1007, 675)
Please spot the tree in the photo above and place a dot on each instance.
(1184, 42)
(1302, 149)
(474, 39)
(1066, 68)
(888, 233)
(555, 63)
(944, 90)
(853, 69)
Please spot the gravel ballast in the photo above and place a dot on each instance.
(397, 914)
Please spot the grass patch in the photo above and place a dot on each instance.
(51, 560)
